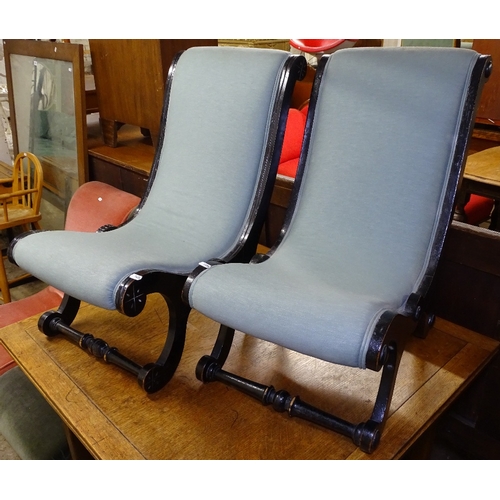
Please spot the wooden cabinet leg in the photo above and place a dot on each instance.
(110, 132)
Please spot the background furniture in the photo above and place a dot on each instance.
(487, 132)
(93, 205)
(20, 202)
(256, 43)
(48, 111)
(482, 180)
(127, 166)
(465, 291)
(429, 42)
(489, 106)
(130, 78)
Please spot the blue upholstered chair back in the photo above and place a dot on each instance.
(378, 168)
(219, 108)
(220, 120)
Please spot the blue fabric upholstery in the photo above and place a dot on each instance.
(209, 165)
(361, 237)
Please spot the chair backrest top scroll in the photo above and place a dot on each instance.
(383, 137)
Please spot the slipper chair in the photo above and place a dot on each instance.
(221, 133)
(27, 421)
(383, 152)
(93, 205)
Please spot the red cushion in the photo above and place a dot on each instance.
(37, 303)
(294, 132)
(12, 312)
(288, 168)
(478, 209)
(318, 44)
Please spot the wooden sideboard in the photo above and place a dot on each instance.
(130, 78)
(126, 166)
(487, 130)
(489, 105)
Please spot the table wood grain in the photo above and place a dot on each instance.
(114, 419)
(484, 166)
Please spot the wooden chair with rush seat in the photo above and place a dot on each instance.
(20, 200)
(383, 153)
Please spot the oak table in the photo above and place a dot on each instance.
(114, 419)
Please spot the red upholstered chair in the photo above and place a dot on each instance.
(93, 205)
(323, 46)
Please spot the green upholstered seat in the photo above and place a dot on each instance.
(28, 422)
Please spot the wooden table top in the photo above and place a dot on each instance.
(115, 419)
(484, 166)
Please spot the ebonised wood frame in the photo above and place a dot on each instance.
(133, 291)
(392, 331)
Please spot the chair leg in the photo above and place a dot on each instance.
(152, 376)
(66, 313)
(366, 435)
(223, 344)
(4, 283)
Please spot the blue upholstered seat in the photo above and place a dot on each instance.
(385, 141)
(221, 133)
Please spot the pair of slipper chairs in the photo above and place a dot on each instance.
(383, 153)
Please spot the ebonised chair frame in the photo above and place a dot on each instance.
(133, 291)
(392, 331)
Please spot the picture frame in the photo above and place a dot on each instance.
(46, 85)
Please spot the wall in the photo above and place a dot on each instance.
(5, 135)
